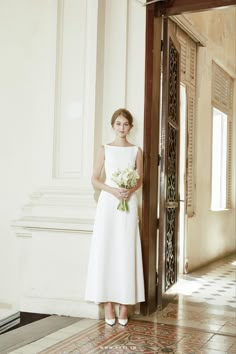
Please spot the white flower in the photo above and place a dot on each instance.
(126, 178)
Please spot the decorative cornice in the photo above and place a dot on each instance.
(183, 22)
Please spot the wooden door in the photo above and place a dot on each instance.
(151, 152)
(169, 169)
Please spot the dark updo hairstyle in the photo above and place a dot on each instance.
(124, 113)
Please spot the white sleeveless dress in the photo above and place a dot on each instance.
(115, 271)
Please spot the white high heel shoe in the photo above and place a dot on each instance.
(110, 321)
(123, 322)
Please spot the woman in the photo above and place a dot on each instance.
(115, 273)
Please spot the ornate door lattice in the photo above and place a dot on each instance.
(169, 195)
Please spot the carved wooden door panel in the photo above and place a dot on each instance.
(169, 169)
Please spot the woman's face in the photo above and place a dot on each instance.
(121, 126)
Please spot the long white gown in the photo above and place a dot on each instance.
(115, 271)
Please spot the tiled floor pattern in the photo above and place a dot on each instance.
(214, 284)
(198, 316)
(197, 321)
(137, 337)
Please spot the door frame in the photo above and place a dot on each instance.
(154, 13)
(151, 153)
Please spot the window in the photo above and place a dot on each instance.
(222, 112)
(219, 160)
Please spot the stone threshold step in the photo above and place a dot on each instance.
(9, 321)
(22, 336)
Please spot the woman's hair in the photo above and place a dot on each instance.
(124, 113)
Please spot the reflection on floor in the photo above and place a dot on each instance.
(214, 284)
(141, 337)
(200, 319)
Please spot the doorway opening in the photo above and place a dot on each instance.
(191, 235)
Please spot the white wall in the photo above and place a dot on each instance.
(47, 202)
(211, 234)
(124, 62)
(27, 70)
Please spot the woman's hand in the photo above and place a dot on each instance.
(122, 193)
(118, 193)
(128, 193)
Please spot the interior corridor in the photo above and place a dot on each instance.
(199, 316)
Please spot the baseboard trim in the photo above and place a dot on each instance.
(61, 307)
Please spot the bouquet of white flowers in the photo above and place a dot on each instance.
(127, 179)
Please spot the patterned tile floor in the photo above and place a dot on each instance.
(89, 336)
(214, 284)
(198, 319)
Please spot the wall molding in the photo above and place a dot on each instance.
(68, 225)
(75, 90)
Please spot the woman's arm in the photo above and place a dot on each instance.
(96, 182)
(139, 167)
